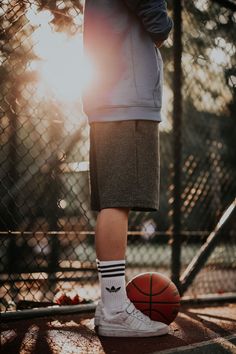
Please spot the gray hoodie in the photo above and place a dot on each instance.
(119, 38)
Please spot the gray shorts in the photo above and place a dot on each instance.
(124, 165)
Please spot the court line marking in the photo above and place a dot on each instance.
(223, 341)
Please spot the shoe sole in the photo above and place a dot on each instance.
(106, 331)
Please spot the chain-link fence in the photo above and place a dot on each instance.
(208, 139)
(46, 225)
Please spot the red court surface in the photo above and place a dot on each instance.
(198, 329)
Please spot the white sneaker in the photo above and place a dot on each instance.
(129, 323)
(98, 313)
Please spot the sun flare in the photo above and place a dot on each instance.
(63, 69)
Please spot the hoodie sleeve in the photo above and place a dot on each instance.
(153, 15)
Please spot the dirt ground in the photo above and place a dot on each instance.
(197, 329)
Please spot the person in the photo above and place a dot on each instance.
(123, 105)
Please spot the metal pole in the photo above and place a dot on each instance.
(177, 146)
(207, 248)
(48, 311)
(13, 221)
(54, 210)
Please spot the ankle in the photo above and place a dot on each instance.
(116, 309)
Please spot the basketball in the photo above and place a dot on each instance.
(155, 295)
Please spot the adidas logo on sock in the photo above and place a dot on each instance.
(113, 289)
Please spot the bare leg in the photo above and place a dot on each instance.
(111, 233)
(116, 315)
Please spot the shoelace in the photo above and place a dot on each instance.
(139, 315)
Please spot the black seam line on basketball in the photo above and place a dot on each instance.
(167, 319)
(112, 275)
(150, 297)
(111, 270)
(111, 266)
(142, 292)
(156, 311)
(160, 292)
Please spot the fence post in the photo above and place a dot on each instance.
(177, 146)
(54, 182)
(13, 221)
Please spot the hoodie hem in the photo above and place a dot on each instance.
(124, 113)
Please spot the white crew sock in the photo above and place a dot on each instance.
(113, 287)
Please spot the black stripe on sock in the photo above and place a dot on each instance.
(112, 270)
(112, 275)
(112, 266)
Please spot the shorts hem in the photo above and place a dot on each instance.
(134, 205)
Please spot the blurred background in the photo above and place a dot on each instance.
(46, 225)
